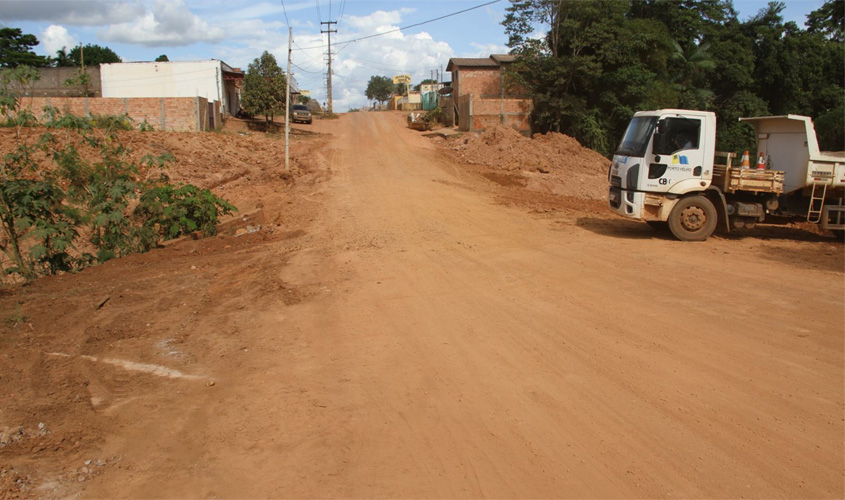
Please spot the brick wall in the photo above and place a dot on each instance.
(479, 81)
(180, 114)
(51, 83)
(475, 114)
(482, 102)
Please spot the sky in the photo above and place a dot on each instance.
(238, 31)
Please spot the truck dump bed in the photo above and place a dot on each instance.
(790, 145)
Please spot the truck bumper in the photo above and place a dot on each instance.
(627, 203)
(639, 205)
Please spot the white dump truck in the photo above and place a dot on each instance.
(668, 173)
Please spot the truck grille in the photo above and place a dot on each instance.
(615, 181)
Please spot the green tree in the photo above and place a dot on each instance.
(16, 49)
(828, 20)
(695, 60)
(380, 88)
(521, 21)
(90, 55)
(162, 58)
(264, 87)
(601, 61)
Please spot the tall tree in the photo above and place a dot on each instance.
(601, 61)
(264, 87)
(90, 54)
(380, 88)
(16, 49)
(828, 20)
(162, 58)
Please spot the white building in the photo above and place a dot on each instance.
(214, 80)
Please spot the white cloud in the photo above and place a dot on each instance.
(392, 54)
(488, 49)
(378, 22)
(55, 38)
(73, 12)
(170, 23)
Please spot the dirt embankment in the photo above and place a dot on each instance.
(60, 336)
(547, 163)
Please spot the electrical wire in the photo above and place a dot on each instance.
(406, 27)
(307, 71)
(286, 12)
(307, 54)
(342, 7)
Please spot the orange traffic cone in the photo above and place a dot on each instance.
(761, 162)
(746, 161)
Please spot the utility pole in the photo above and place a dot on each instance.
(329, 30)
(287, 104)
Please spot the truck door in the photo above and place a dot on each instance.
(677, 153)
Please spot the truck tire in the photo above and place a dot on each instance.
(693, 218)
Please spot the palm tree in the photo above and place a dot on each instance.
(695, 61)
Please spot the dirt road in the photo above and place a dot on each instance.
(412, 337)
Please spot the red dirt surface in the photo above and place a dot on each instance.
(404, 327)
(548, 163)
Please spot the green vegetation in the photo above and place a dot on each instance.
(70, 200)
(265, 87)
(16, 49)
(81, 80)
(90, 55)
(380, 88)
(601, 61)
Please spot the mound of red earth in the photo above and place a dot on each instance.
(553, 163)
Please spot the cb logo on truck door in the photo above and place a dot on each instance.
(663, 181)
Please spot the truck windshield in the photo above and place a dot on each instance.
(637, 136)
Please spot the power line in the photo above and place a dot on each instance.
(286, 12)
(409, 26)
(307, 54)
(378, 66)
(307, 71)
(342, 8)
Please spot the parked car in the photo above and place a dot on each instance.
(300, 113)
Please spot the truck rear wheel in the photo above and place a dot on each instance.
(693, 218)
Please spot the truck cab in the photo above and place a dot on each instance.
(668, 151)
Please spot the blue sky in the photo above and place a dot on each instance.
(238, 31)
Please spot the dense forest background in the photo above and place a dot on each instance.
(600, 61)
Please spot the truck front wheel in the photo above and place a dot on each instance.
(693, 218)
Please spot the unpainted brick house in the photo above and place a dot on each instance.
(212, 79)
(176, 96)
(480, 96)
